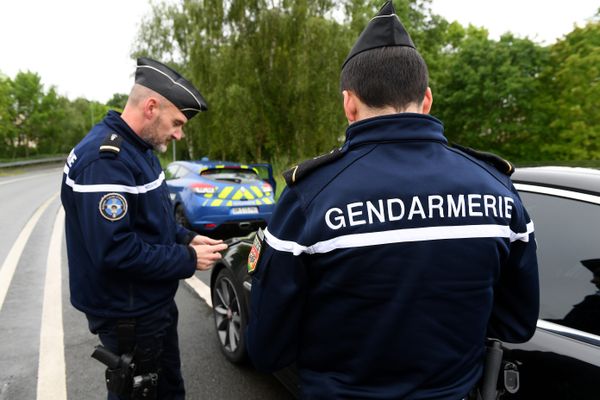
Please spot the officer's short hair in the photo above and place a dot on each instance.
(387, 76)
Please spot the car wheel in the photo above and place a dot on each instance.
(180, 217)
(229, 309)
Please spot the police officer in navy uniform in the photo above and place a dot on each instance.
(126, 253)
(389, 261)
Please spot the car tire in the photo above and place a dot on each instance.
(231, 316)
(180, 217)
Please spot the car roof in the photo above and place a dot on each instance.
(574, 178)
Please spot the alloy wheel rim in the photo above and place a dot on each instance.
(227, 315)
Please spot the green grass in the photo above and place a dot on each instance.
(33, 157)
(11, 171)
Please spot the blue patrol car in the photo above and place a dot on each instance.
(221, 198)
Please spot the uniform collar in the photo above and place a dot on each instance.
(114, 121)
(395, 127)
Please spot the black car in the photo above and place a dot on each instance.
(562, 360)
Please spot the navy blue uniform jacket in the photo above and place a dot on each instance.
(383, 271)
(129, 266)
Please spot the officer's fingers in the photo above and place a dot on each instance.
(207, 240)
(210, 249)
(218, 247)
(200, 239)
(207, 261)
(206, 253)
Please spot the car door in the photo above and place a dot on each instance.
(562, 360)
(265, 171)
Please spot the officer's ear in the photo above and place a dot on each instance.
(350, 106)
(427, 101)
(151, 107)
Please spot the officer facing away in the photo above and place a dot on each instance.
(126, 252)
(389, 261)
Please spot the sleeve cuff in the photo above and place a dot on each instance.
(187, 238)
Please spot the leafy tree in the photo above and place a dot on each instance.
(7, 127)
(45, 123)
(572, 82)
(118, 101)
(268, 69)
(487, 91)
(26, 99)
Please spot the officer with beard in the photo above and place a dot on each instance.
(126, 252)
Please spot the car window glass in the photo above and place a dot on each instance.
(183, 171)
(568, 239)
(230, 174)
(171, 171)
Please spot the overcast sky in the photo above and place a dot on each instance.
(83, 47)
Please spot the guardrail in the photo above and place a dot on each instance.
(25, 163)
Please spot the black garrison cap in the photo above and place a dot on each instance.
(385, 29)
(170, 84)
(593, 265)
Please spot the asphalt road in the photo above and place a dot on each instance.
(45, 346)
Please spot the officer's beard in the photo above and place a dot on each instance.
(152, 135)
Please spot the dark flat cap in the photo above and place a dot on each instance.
(593, 265)
(385, 29)
(170, 84)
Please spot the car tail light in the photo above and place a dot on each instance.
(267, 188)
(203, 188)
(210, 226)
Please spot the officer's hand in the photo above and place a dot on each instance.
(207, 255)
(199, 239)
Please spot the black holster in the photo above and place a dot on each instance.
(499, 376)
(125, 376)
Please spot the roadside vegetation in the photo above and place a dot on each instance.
(269, 71)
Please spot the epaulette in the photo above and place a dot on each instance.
(496, 161)
(293, 175)
(111, 145)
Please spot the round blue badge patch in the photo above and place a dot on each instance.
(113, 206)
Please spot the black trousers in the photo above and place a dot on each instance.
(156, 343)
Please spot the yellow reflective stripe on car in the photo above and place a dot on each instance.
(229, 203)
(243, 192)
(256, 191)
(258, 202)
(209, 195)
(267, 200)
(238, 195)
(225, 192)
(216, 203)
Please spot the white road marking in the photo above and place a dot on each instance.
(12, 259)
(200, 288)
(52, 382)
(27, 177)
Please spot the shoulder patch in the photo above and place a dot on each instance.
(255, 251)
(113, 206)
(111, 144)
(293, 175)
(496, 161)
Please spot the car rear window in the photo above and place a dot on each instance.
(236, 175)
(567, 233)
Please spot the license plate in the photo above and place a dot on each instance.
(244, 210)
